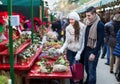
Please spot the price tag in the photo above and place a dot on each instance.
(15, 20)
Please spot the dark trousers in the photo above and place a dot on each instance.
(106, 50)
(71, 58)
(90, 68)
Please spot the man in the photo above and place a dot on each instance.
(106, 47)
(94, 38)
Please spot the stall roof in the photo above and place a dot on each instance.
(97, 4)
(84, 9)
(22, 2)
(104, 2)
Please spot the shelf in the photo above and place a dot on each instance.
(20, 49)
(6, 41)
(26, 65)
(54, 75)
(33, 73)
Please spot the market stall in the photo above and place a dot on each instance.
(50, 64)
(34, 74)
(21, 55)
(10, 57)
(25, 54)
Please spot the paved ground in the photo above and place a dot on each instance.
(103, 75)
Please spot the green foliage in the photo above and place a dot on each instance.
(1, 40)
(3, 80)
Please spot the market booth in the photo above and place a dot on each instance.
(20, 54)
(15, 53)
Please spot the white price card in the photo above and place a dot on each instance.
(15, 20)
(44, 39)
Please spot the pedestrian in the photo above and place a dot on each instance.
(94, 37)
(74, 42)
(116, 52)
(106, 47)
(111, 33)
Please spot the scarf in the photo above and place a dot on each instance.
(92, 37)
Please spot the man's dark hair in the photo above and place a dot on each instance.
(91, 9)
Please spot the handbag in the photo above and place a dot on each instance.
(77, 71)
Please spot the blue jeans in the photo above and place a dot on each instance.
(108, 54)
(90, 68)
(106, 50)
(71, 56)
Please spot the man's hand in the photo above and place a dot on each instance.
(92, 57)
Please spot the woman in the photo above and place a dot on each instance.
(74, 38)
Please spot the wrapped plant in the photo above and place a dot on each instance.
(3, 79)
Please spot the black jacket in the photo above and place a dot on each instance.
(100, 38)
(111, 29)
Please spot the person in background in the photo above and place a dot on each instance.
(111, 33)
(106, 47)
(74, 41)
(59, 22)
(57, 27)
(94, 37)
(54, 26)
(27, 25)
(116, 52)
(64, 27)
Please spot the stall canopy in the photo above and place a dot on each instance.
(104, 2)
(96, 4)
(22, 2)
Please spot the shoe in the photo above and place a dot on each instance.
(111, 72)
(106, 63)
(117, 77)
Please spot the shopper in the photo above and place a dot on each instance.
(111, 32)
(106, 47)
(94, 37)
(116, 52)
(57, 27)
(74, 41)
